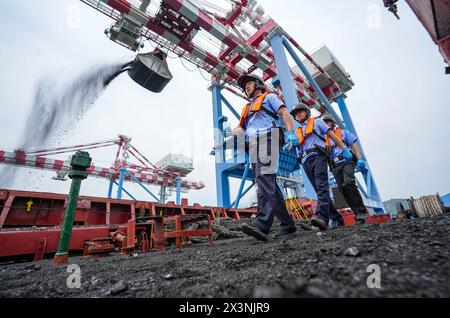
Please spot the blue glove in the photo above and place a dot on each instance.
(347, 155)
(291, 139)
(287, 148)
(361, 164)
(227, 132)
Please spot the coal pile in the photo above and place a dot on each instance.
(413, 258)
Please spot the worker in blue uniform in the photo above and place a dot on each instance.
(343, 170)
(260, 122)
(314, 159)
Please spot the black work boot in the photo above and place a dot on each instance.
(360, 217)
(336, 223)
(285, 233)
(318, 222)
(252, 230)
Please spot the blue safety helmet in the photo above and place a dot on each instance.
(299, 107)
(244, 79)
(328, 118)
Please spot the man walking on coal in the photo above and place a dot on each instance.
(260, 122)
(344, 171)
(311, 141)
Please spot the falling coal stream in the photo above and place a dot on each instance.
(55, 111)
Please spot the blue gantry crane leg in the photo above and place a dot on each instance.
(239, 170)
(120, 185)
(225, 169)
(110, 188)
(113, 182)
(120, 188)
(289, 92)
(372, 195)
(178, 191)
(279, 43)
(126, 192)
(222, 182)
(241, 187)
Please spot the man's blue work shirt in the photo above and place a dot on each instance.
(313, 140)
(260, 122)
(348, 139)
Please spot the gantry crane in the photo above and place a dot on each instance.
(229, 38)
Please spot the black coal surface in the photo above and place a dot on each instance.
(414, 258)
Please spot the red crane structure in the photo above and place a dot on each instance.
(144, 173)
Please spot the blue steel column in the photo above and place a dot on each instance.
(373, 193)
(110, 188)
(178, 190)
(120, 186)
(348, 123)
(289, 92)
(372, 189)
(162, 194)
(126, 192)
(241, 187)
(222, 182)
(311, 80)
(133, 178)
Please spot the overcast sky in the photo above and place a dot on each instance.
(400, 104)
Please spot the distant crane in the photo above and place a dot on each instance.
(144, 173)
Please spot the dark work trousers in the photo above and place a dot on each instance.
(344, 174)
(316, 169)
(270, 198)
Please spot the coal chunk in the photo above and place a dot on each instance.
(120, 287)
(352, 252)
